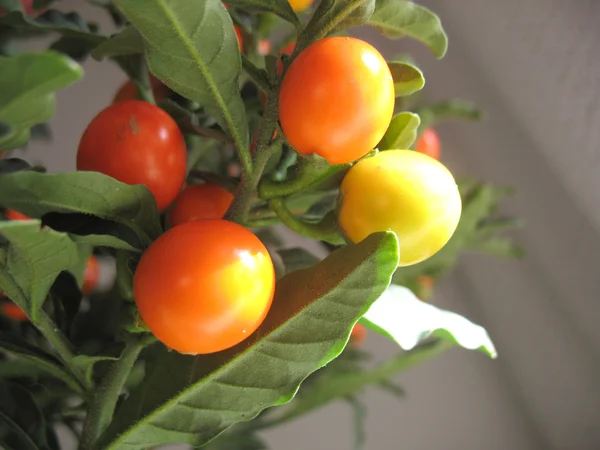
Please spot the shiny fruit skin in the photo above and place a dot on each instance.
(358, 336)
(137, 143)
(403, 191)
(129, 91)
(11, 214)
(204, 286)
(429, 144)
(200, 201)
(91, 275)
(337, 99)
(13, 312)
(300, 5)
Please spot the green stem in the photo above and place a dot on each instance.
(248, 188)
(61, 344)
(259, 76)
(310, 171)
(104, 400)
(326, 230)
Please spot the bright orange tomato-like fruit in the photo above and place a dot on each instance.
(136, 143)
(204, 286)
(11, 214)
(200, 201)
(129, 91)
(406, 192)
(13, 312)
(337, 99)
(358, 335)
(429, 143)
(300, 5)
(91, 275)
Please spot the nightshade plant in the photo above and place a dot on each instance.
(215, 329)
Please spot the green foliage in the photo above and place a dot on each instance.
(408, 79)
(87, 358)
(207, 56)
(302, 333)
(26, 102)
(401, 133)
(399, 18)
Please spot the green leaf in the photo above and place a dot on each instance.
(33, 259)
(22, 416)
(193, 399)
(447, 109)
(36, 194)
(86, 365)
(192, 48)
(401, 316)
(333, 386)
(297, 258)
(408, 79)
(103, 240)
(15, 346)
(127, 42)
(280, 7)
(399, 18)
(501, 247)
(360, 415)
(332, 16)
(401, 133)
(28, 100)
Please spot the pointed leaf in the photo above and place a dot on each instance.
(127, 42)
(401, 133)
(25, 101)
(33, 259)
(21, 349)
(401, 316)
(193, 399)
(280, 7)
(408, 79)
(36, 194)
(398, 18)
(103, 240)
(192, 48)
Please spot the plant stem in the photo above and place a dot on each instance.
(251, 174)
(326, 230)
(104, 400)
(61, 344)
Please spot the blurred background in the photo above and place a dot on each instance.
(533, 66)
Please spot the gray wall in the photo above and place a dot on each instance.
(533, 67)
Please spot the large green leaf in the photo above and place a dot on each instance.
(31, 261)
(193, 399)
(17, 347)
(400, 315)
(297, 258)
(36, 194)
(192, 48)
(408, 79)
(22, 417)
(335, 385)
(398, 18)
(27, 86)
(280, 7)
(401, 133)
